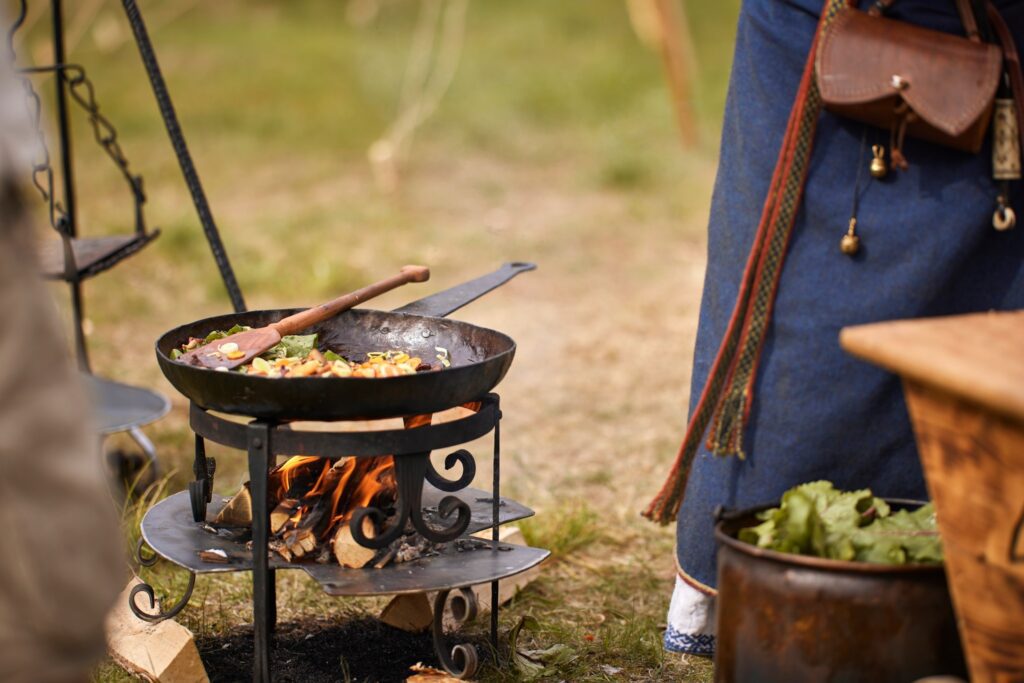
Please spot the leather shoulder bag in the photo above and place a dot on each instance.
(910, 80)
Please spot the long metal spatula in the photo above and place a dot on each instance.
(240, 348)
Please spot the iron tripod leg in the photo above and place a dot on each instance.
(78, 312)
(264, 597)
(495, 523)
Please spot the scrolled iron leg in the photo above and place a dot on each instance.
(462, 661)
(141, 557)
(162, 614)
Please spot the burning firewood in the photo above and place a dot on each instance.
(312, 500)
(282, 513)
(300, 541)
(386, 559)
(349, 553)
(237, 512)
(276, 545)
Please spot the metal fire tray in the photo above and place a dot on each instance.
(168, 528)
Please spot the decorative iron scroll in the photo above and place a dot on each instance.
(156, 615)
(410, 471)
(462, 661)
(461, 456)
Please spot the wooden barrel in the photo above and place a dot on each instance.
(964, 383)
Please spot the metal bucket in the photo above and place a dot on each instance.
(785, 618)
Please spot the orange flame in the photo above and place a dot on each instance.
(348, 484)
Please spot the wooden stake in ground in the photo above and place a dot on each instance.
(163, 652)
(662, 25)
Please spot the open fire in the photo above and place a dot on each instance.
(312, 501)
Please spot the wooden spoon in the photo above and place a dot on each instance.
(240, 348)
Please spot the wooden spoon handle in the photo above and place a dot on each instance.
(311, 316)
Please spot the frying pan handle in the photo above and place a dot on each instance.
(312, 316)
(447, 301)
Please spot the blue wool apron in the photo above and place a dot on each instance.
(927, 248)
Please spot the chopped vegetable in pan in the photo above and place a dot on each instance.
(297, 356)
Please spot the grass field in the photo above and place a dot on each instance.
(555, 144)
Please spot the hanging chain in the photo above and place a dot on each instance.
(82, 92)
(42, 171)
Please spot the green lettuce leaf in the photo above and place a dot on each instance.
(293, 346)
(901, 538)
(220, 334)
(818, 519)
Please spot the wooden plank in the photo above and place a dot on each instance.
(963, 378)
(977, 357)
(974, 464)
(164, 652)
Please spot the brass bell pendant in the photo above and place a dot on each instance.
(1004, 218)
(878, 165)
(850, 244)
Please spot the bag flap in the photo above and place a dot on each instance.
(948, 81)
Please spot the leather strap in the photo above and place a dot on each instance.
(1011, 61)
(963, 7)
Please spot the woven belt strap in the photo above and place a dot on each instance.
(727, 396)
